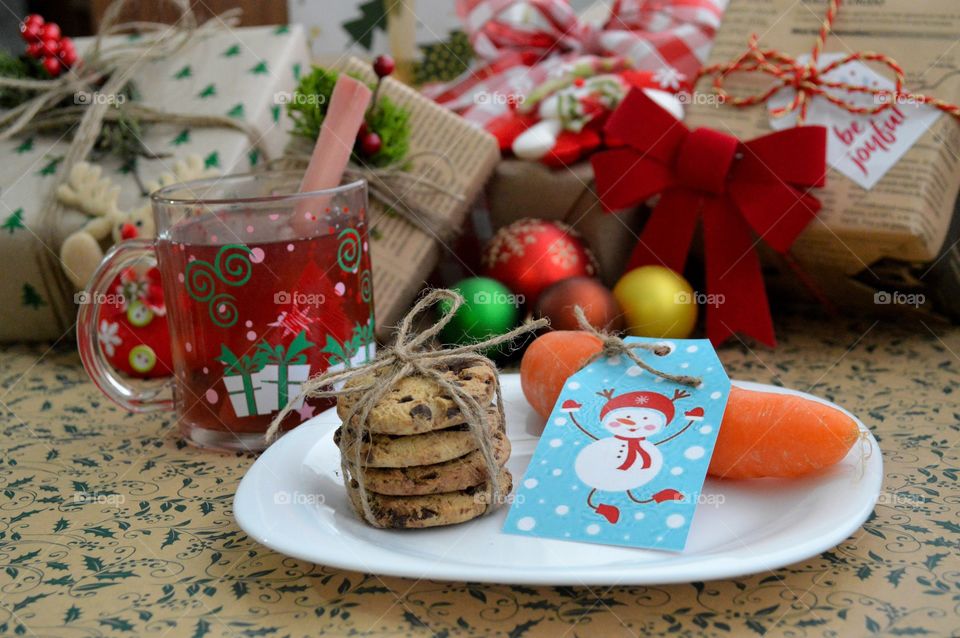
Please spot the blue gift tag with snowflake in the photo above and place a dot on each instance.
(624, 454)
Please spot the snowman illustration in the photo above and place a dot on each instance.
(628, 459)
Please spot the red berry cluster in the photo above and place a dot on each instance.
(45, 43)
(368, 140)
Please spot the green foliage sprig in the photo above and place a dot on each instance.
(308, 106)
(18, 68)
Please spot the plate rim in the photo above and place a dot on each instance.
(716, 567)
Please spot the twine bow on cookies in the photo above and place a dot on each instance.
(413, 353)
(614, 346)
(809, 80)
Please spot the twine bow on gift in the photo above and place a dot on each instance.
(397, 187)
(809, 80)
(413, 353)
(738, 188)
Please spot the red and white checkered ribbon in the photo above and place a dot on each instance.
(522, 43)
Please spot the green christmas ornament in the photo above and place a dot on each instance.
(489, 309)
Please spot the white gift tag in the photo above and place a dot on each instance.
(862, 147)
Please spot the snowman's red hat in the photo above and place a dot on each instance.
(651, 400)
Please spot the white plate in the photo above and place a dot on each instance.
(292, 500)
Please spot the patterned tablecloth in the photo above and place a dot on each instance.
(111, 526)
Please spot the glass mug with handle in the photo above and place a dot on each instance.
(263, 287)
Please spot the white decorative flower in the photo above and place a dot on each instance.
(669, 78)
(109, 336)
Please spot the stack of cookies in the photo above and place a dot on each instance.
(421, 462)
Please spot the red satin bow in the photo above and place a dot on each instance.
(735, 187)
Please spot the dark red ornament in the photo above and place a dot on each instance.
(599, 305)
(531, 254)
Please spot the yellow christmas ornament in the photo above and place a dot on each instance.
(656, 302)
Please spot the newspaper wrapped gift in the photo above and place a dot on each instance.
(868, 245)
(242, 73)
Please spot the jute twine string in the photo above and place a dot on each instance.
(412, 354)
(118, 63)
(396, 187)
(614, 346)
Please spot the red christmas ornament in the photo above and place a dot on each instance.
(531, 254)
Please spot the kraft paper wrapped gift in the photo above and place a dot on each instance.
(896, 236)
(449, 152)
(236, 72)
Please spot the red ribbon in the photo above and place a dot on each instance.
(809, 81)
(633, 451)
(735, 187)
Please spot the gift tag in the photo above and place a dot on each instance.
(624, 454)
(862, 147)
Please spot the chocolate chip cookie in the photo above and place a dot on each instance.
(389, 450)
(418, 404)
(431, 510)
(437, 478)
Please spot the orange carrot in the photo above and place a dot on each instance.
(549, 361)
(763, 434)
(779, 435)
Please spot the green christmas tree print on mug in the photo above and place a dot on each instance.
(232, 267)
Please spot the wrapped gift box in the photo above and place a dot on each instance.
(896, 236)
(242, 73)
(453, 154)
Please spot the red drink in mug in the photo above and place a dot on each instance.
(257, 301)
